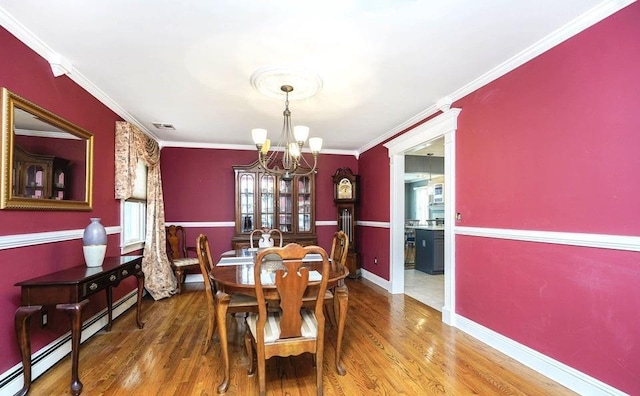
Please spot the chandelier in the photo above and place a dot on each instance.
(286, 159)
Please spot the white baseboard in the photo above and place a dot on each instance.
(553, 369)
(193, 278)
(383, 283)
(12, 380)
(559, 372)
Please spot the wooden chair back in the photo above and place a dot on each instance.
(339, 248)
(300, 330)
(265, 238)
(177, 252)
(176, 242)
(206, 265)
(237, 303)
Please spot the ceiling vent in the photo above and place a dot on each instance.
(164, 126)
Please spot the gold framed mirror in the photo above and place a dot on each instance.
(47, 162)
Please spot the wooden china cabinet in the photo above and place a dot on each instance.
(39, 176)
(267, 201)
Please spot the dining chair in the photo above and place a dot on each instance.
(339, 248)
(339, 251)
(290, 329)
(177, 252)
(410, 242)
(265, 238)
(238, 303)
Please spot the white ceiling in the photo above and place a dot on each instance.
(383, 63)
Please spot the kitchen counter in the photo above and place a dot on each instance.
(432, 228)
(430, 249)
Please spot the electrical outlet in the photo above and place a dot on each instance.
(45, 319)
(375, 260)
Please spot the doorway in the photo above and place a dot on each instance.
(444, 125)
(424, 223)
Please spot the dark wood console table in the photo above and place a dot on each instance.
(68, 290)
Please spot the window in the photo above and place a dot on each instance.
(133, 213)
(134, 219)
(422, 203)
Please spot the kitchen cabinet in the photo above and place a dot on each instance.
(430, 250)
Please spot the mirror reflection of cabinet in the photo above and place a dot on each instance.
(268, 201)
(62, 174)
(39, 176)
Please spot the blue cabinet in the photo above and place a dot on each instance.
(430, 250)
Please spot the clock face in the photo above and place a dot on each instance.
(345, 189)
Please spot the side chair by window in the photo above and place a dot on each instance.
(238, 302)
(292, 329)
(177, 252)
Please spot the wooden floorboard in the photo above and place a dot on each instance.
(393, 345)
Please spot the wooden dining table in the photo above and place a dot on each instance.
(234, 274)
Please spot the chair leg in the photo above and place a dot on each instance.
(179, 278)
(248, 343)
(211, 328)
(262, 381)
(319, 358)
(330, 314)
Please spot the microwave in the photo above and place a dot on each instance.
(438, 193)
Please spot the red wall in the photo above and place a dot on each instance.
(549, 146)
(568, 122)
(374, 207)
(553, 145)
(198, 186)
(577, 305)
(26, 74)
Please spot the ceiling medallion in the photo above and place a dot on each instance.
(269, 80)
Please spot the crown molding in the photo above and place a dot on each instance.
(405, 125)
(61, 66)
(584, 21)
(440, 125)
(248, 147)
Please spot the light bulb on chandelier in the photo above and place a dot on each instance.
(286, 157)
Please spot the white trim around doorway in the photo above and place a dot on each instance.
(445, 125)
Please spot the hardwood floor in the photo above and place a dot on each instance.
(393, 345)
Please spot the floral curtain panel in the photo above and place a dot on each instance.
(132, 145)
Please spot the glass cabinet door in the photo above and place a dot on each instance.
(59, 184)
(246, 183)
(34, 183)
(304, 204)
(267, 201)
(285, 206)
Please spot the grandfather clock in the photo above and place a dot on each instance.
(345, 195)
